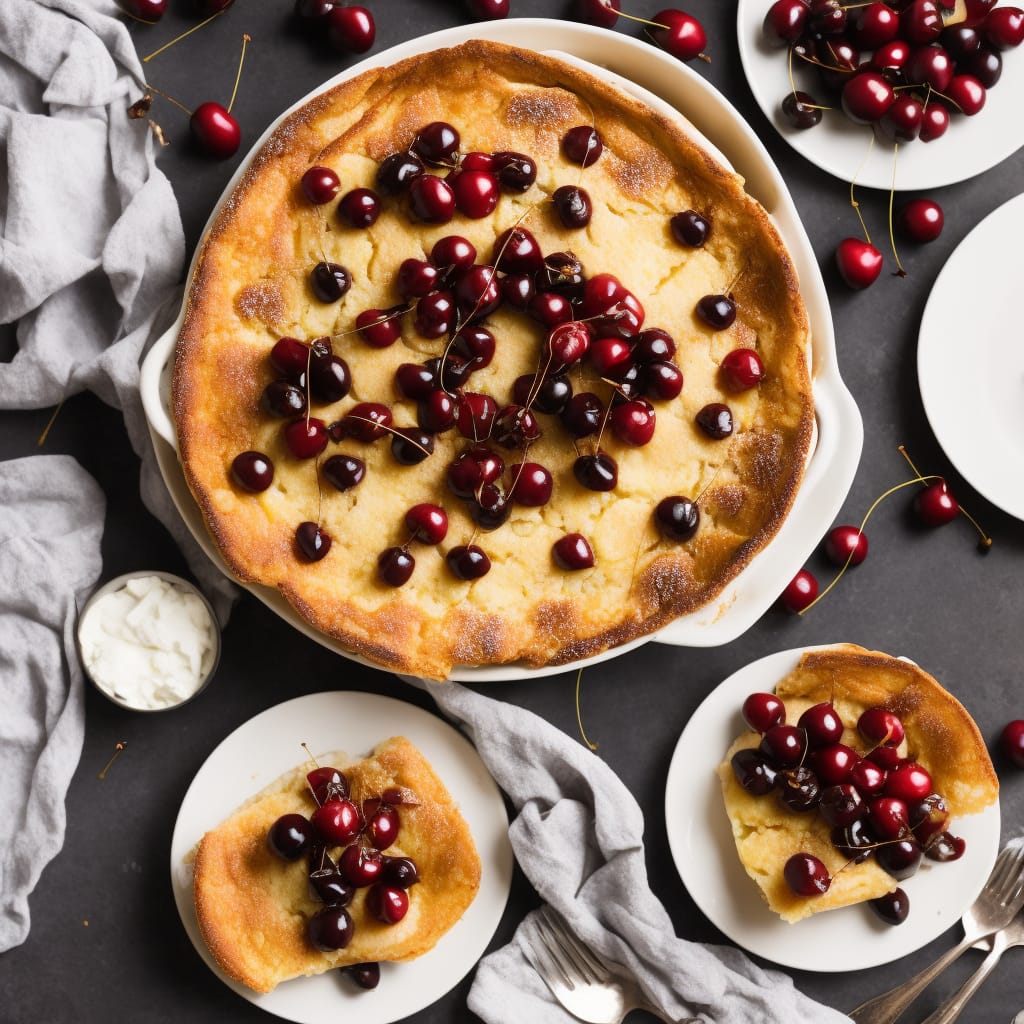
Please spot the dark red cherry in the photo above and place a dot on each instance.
(609, 355)
(784, 745)
(379, 328)
(854, 841)
(888, 818)
(360, 207)
(516, 171)
(490, 507)
(428, 524)
(935, 505)
(435, 314)
(468, 562)
(414, 380)
(827, 17)
(920, 220)
(366, 421)
(476, 345)
(934, 122)
(475, 415)
(350, 29)
(327, 886)
(410, 446)
(908, 782)
(785, 21)
(289, 837)
(365, 975)
(544, 394)
(959, 40)
(662, 380)
(985, 65)
(252, 471)
(337, 821)
(395, 566)
(891, 56)
(833, 764)
(885, 757)
(416, 278)
(476, 193)
(901, 859)
(531, 484)
(679, 34)
(920, 21)
(799, 789)
(892, 907)
(289, 356)
(387, 903)
(360, 866)
(329, 281)
(603, 13)
(653, 345)
(582, 145)
(841, 805)
(801, 110)
(753, 772)
(582, 415)
(717, 311)
(431, 199)
(343, 471)
(382, 824)
(401, 872)
(763, 711)
(690, 228)
(573, 206)
(880, 727)
(516, 251)
(966, 94)
(929, 65)
(145, 10)
(1011, 742)
(437, 412)
(327, 783)
(397, 172)
(866, 97)
(329, 378)
(477, 292)
(677, 518)
(306, 438)
(902, 121)
(868, 777)
(515, 427)
(928, 817)
(800, 592)
(597, 472)
(806, 875)
(715, 420)
(330, 929)
(859, 262)
(437, 144)
(320, 184)
(518, 290)
(945, 847)
(633, 422)
(846, 545)
(1003, 28)
(874, 24)
(977, 11)
(566, 344)
(215, 131)
(453, 252)
(312, 541)
(311, 13)
(573, 552)
(741, 369)
(822, 724)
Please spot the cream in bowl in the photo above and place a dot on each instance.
(148, 640)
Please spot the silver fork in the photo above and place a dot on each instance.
(1008, 937)
(997, 904)
(579, 979)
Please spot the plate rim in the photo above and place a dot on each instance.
(986, 823)
(831, 468)
(929, 357)
(443, 742)
(876, 171)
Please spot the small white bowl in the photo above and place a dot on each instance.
(210, 659)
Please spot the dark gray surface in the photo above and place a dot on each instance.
(929, 595)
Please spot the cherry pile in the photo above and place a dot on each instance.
(598, 367)
(902, 67)
(362, 833)
(875, 801)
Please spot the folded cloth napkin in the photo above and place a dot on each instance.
(81, 203)
(51, 523)
(578, 838)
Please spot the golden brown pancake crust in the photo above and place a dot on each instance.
(253, 907)
(251, 287)
(940, 735)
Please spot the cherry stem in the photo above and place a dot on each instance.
(853, 201)
(49, 423)
(579, 716)
(899, 272)
(118, 747)
(986, 541)
(390, 430)
(181, 106)
(246, 39)
(177, 39)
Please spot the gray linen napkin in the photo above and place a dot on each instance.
(578, 837)
(51, 523)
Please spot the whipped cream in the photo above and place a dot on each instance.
(150, 644)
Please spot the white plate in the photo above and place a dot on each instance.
(265, 747)
(837, 145)
(704, 851)
(970, 360)
(654, 76)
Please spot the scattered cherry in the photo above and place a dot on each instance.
(312, 541)
(801, 110)
(366, 975)
(573, 552)
(320, 184)
(306, 438)
(431, 199)
(806, 875)
(715, 420)
(846, 544)
(582, 145)
(359, 865)
(921, 220)
(387, 903)
(360, 207)
(468, 562)
(679, 34)
(290, 836)
(800, 592)
(935, 505)
(859, 262)
(597, 472)
(216, 132)
(337, 821)
(330, 929)
(350, 29)
(753, 771)
(573, 206)
(145, 10)
(892, 907)
(717, 311)
(395, 566)
(428, 523)
(603, 13)
(343, 471)
(252, 471)
(690, 228)
(1011, 742)
(677, 518)
(329, 281)
(741, 369)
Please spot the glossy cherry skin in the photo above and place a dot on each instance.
(476, 193)
(573, 552)
(967, 94)
(680, 34)
(715, 420)
(868, 777)
(841, 805)
(387, 903)
(252, 471)
(900, 859)
(1011, 742)
(690, 228)
(800, 592)
(330, 929)
(573, 206)
(488, 10)
(306, 438)
(822, 724)
(717, 311)
(395, 566)
(428, 524)
(290, 836)
(985, 65)
(859, 262)
(741, 369)
(929, 65)
(598, 472)
(763, 711)
(360, 207)
(935, 505)
(902, 121)
(397, 172)
(633, 422)
(215, 131)
(784, 745)
(846, 544)
(866, 97)
(516, 171)
(677, 517)
(312, 541)
(327, 783)
(785, 21)
(359, 866)
(468, 562)
(874, 25)
(320, 185)
(934, 122)
(431, 199)
(144, 10)
(920, 21)
(531, 484)
(582, 414)
(1003, 28)
(517, 251)
(834, 763)
(437, 143)
(921, 220)
(350, 29)
(888, 818)
(343, 471)
(582, 145)
(753, 772)
(806, 875)
(329, 281)
(908, 782)
(337, 822)
(603, 13)
(893, 907)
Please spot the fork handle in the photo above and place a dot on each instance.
(952, 1007)
(889, 1006)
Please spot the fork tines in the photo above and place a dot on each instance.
(573, 960)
